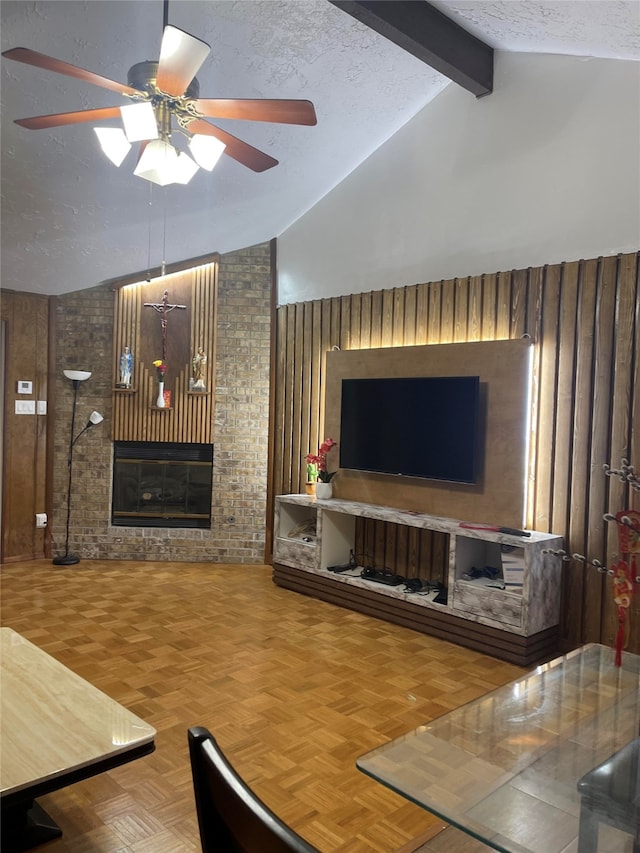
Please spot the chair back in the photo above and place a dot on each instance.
(232, 819)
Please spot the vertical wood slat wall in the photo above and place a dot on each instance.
(25, 356)
(190, 418)
(584, 318)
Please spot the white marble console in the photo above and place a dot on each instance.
(518, 623)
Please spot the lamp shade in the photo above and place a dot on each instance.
(95, 418)
(113, 142)
(77, 375)
(185, 168)
(206, 150)
(161, 164)
(139, 121)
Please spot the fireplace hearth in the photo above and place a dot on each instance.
(162, 484)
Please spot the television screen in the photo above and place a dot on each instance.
(415, 426)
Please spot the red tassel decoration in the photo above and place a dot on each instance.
(622, 592)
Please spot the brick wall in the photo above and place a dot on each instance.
(84, 340)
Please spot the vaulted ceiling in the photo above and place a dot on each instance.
(71, 219)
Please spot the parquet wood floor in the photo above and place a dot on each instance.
(293, 688)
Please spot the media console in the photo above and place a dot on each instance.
(518, 624)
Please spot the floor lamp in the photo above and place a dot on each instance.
(76, 376)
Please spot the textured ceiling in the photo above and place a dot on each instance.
(609, 29)
(70, 219)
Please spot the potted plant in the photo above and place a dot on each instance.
(317, 469)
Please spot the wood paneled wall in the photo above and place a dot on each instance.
(24, 474)
(190, 417)
(584, 319)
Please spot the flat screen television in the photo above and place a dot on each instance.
(425, 426)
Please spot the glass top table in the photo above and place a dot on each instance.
(505, 768)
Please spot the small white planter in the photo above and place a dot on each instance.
(324, 490)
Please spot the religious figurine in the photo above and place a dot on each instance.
(198, 363)
(126, 368)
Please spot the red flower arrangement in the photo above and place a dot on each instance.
(317, 463)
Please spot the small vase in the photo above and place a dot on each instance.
(324, 490)
(310, 488)
(160, 400)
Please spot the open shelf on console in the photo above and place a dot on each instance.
(296, 521)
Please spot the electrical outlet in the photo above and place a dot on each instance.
(41, 519)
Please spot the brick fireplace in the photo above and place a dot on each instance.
(236, 531)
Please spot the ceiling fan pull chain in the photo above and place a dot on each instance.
(149, 244)
(164, 231)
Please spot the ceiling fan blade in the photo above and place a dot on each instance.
(236, 148)
(60, 119)
(40, 60)
(281, 111)
(181, 56)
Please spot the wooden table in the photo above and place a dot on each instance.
(505, 768)
(55, 729)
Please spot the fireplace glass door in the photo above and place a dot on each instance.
(157, 484)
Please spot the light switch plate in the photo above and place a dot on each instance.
(25, 407)
(41, 407)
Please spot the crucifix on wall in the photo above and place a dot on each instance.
(163, 308)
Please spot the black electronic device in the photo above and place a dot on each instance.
(442, 596)
(436, 590)
(421, 585)
(344, 567)
(426, 426)
(382, 576)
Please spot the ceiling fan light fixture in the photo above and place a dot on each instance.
(185, 168)
(157, 162)
(162, 92)
(139, 121)
(206, 150)
(113, 142)
(161, 164)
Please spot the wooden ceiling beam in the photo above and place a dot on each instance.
(422, 30)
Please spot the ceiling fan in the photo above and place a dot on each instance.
(167, 91)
